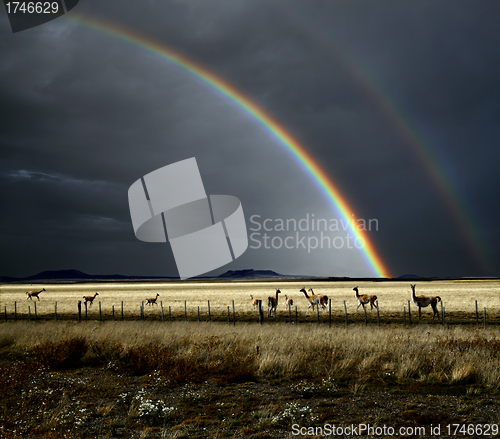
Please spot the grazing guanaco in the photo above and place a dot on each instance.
(152, 300)
(272, 304)
(288, 301)
(32, 294)
(363, 299)
(323, 299)
(423, 301)
(90, 298)
(255, 302)
(313, 299)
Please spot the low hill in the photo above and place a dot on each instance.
(252, 274)
(75, 276)
(79, 276)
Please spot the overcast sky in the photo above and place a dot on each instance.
(399, 102)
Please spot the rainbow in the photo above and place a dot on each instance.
(436, 172)
(278, 132)
(403, 125)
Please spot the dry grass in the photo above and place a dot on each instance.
(190, 351)
(458, 298)
(152, 380)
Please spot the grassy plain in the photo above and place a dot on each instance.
(151, 380)
(458, 299)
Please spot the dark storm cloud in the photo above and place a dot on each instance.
(84, 115)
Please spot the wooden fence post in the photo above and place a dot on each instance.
(317, 311)
(29, 313)
(113, 308)
(442, 313)
(329, 313)
(162, 317)
(345, 311)
(85, 310)
(209, 315)
(198, 313)
(122, 310)
(15, 310)
(477, 316)
(444, 316)
(289, 314)
(142, 312)
(261, 313)
(296, 315)
(378, 316)
(409, 313)
(366, 321)
(79, 310)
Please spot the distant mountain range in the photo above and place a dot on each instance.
(78, 276)
(72, 275)
(255, 274)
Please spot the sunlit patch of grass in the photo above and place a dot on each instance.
(104, 410)
(463, 373)
(358, 388)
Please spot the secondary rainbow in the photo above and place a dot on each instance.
(298, 151)
(423, 151)
(404, 126)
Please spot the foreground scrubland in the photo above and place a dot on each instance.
(147, 379)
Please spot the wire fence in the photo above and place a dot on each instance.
(151, 311)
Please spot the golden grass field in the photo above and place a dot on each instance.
(458, 298)
(151, 380)
(178, 380)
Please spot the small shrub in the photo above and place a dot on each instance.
(62, 355)
(5, 343)
(154, 412)
(325, 387)
(295, 413)
(104, 352)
